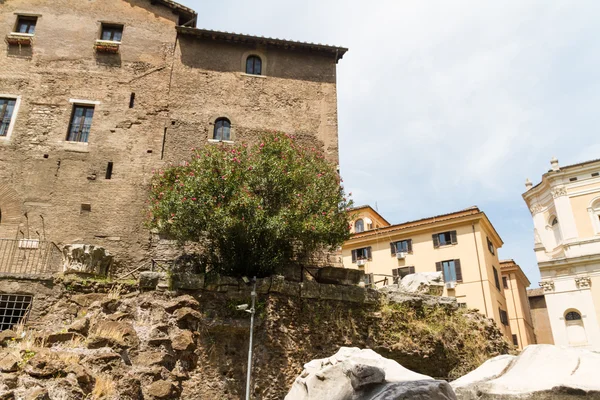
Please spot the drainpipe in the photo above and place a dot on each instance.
(480, 274)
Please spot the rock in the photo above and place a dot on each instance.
(8, 395)
(37, 394)
(105, 361)
(87, 258)
(80, 326)
(540, 372)
(162, 389)
(86, 300)
(353, 374)
(119, 316)
(183, 341)
(339, 276)
(7, 336)
(158, 341)
(116, 334)
(110, 306)
(44, 365)
(129, 387)
(181, 302)
(82, 375)
(188, 281)
(10, 380)
(424, 283)
(150, 279)
(155, 358)
(9, 362)
(187, 318)
(62, 338)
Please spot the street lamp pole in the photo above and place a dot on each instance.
(252, 310)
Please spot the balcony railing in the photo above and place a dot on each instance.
(29, 257)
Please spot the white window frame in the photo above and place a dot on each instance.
(594, 213)
(13, 117)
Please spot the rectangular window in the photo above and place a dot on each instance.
(402, 272)
(14, 308)
(81, 122)
(505, 282)
(451, 270)
(7, 106)
(515, 340)
(496, 280)
(363, 253)
(444, 239)
(503, 317)
(490, 246)
(112, 32)
(26, 24)
(402, 246)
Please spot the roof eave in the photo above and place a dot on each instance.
(338, 52)
(178, 9)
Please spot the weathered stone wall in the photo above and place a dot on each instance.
(192, 344)
(179, 90)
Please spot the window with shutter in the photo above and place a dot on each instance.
(363, 253)
(403, 271)
(503, 316)
(444, 239)
(496, 280)
(505, 282)
(490, 245)
(354, 256)
(450, 269)
(401, 246)
(458, 269)
(515, 340)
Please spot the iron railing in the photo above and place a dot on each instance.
(29, 257)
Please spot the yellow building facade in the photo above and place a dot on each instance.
(565, 207)
(515, 285)
(463, 245)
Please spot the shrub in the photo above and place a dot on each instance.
(254, 209)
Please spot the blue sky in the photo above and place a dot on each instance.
(444, 105)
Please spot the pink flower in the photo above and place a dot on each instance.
(193, 199)
(262, 145)
(184, 199)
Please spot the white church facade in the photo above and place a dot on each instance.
(565, 207)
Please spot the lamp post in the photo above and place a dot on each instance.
(252, 311)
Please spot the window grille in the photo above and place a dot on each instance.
(14, 309)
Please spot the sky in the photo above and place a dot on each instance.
(447, 104)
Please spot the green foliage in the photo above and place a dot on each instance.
(254, 209)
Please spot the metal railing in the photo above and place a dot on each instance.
(29, 257)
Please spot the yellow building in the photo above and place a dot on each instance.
(463, 245)
(515, 285)
(565, 207)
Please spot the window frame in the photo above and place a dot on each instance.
(85, 106)
(216, 129)
(503, 316)
(457, 269)
(254, 58)
(394, 247)
(23, 18)
(13, 116)
(505, 282)
(452, 234)
(366, 254)
(496, 278)
(490, 246)
(594, 212)
(362, 221)
(112, 28)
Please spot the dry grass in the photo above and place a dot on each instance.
(115, 292)
(104, 388)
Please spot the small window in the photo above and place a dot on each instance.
(26, 24)
(573, 316)
(505, 282)
(359, 226)
(110, 32)
(399, 273)
(496, 280)
(572, 179)
(222, 129)
(7, 106)
(81, 122)
(451, 270)
(402, 246)
(515, 340)
(109, 170)
(254, 65)
(363, 253)
(14, 309)
(490, 246)
(503, 317)
(444, 239)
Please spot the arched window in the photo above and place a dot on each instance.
(575, 329)
(359, 226)
(594, 211)
(556, 230)
(254, 65)
(222, 129)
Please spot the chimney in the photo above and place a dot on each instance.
(528, 184)
(554, 164)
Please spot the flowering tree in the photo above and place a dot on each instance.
(254, 209)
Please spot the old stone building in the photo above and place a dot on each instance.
(95, 95)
